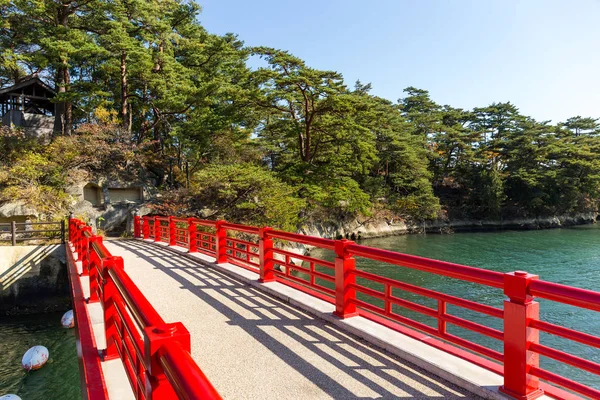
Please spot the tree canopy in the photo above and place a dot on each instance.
(163, 99)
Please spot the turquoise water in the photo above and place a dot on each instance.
(568, 256)
(59, 378)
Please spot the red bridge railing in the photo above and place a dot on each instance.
(350, 289)
(155, 354)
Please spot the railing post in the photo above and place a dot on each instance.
(221, 243)
(136, 226)
(85, 249)
(86, 263)
(157, 385)
(519, 310)
(265, 254)
(156, 229)
(73, 234)
(441, 315)
(192, 236)
(77, 240)
(13, 232)
(70, 219)
(146, 227)
(172, 232)
(93, 271)
(80, 239)
(344, 265)
(112, 326)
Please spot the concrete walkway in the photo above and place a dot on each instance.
(253, 346)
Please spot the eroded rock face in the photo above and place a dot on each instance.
(356, 229)
(103, 213)
(112, 218)
(17, 209)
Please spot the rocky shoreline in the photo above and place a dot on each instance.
(382, 227)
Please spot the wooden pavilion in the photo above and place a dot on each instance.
(28, 104)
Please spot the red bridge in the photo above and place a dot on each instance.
(261, 321)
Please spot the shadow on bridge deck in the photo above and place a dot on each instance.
(254, 346)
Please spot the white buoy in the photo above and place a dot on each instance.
(67, 320)
(35, 358)
(10, 397)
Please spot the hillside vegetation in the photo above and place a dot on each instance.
(146, 90)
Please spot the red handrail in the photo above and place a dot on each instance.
(337, 283)
(566, 294)
(304, 239)
(204, 222)
(135, 331)
(140, 308)
(92, 377)
(457, 271)
(241, 228)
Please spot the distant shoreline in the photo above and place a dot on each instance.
(382, 227)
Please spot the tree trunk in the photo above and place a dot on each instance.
(125, 120)
(64, 78)
(129, 126)
(158, 63)
(306, 144)
(68, 104)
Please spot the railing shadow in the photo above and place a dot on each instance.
(304, 342)
(24, 264)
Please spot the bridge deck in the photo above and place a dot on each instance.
(253, 346)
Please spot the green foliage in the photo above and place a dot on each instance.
(330, 141)
(246, 193)
(40, 174)
(402, 160)
(495, 162)
(344, 196)
(36, 178)
(154, 95)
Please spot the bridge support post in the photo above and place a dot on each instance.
(146, 227)
(192, 236)
(112, 326)
(156, 229)
(157, 385)
(344, 265)
(172, 232)
(221, 242)
(265, 254)
(519, 310)
(136, 226)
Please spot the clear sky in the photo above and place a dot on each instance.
(542, 55)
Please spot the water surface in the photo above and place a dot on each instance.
(59, 378)
(569, 256)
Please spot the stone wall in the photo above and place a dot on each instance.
(33, 279)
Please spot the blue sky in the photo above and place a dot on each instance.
(542, 55)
